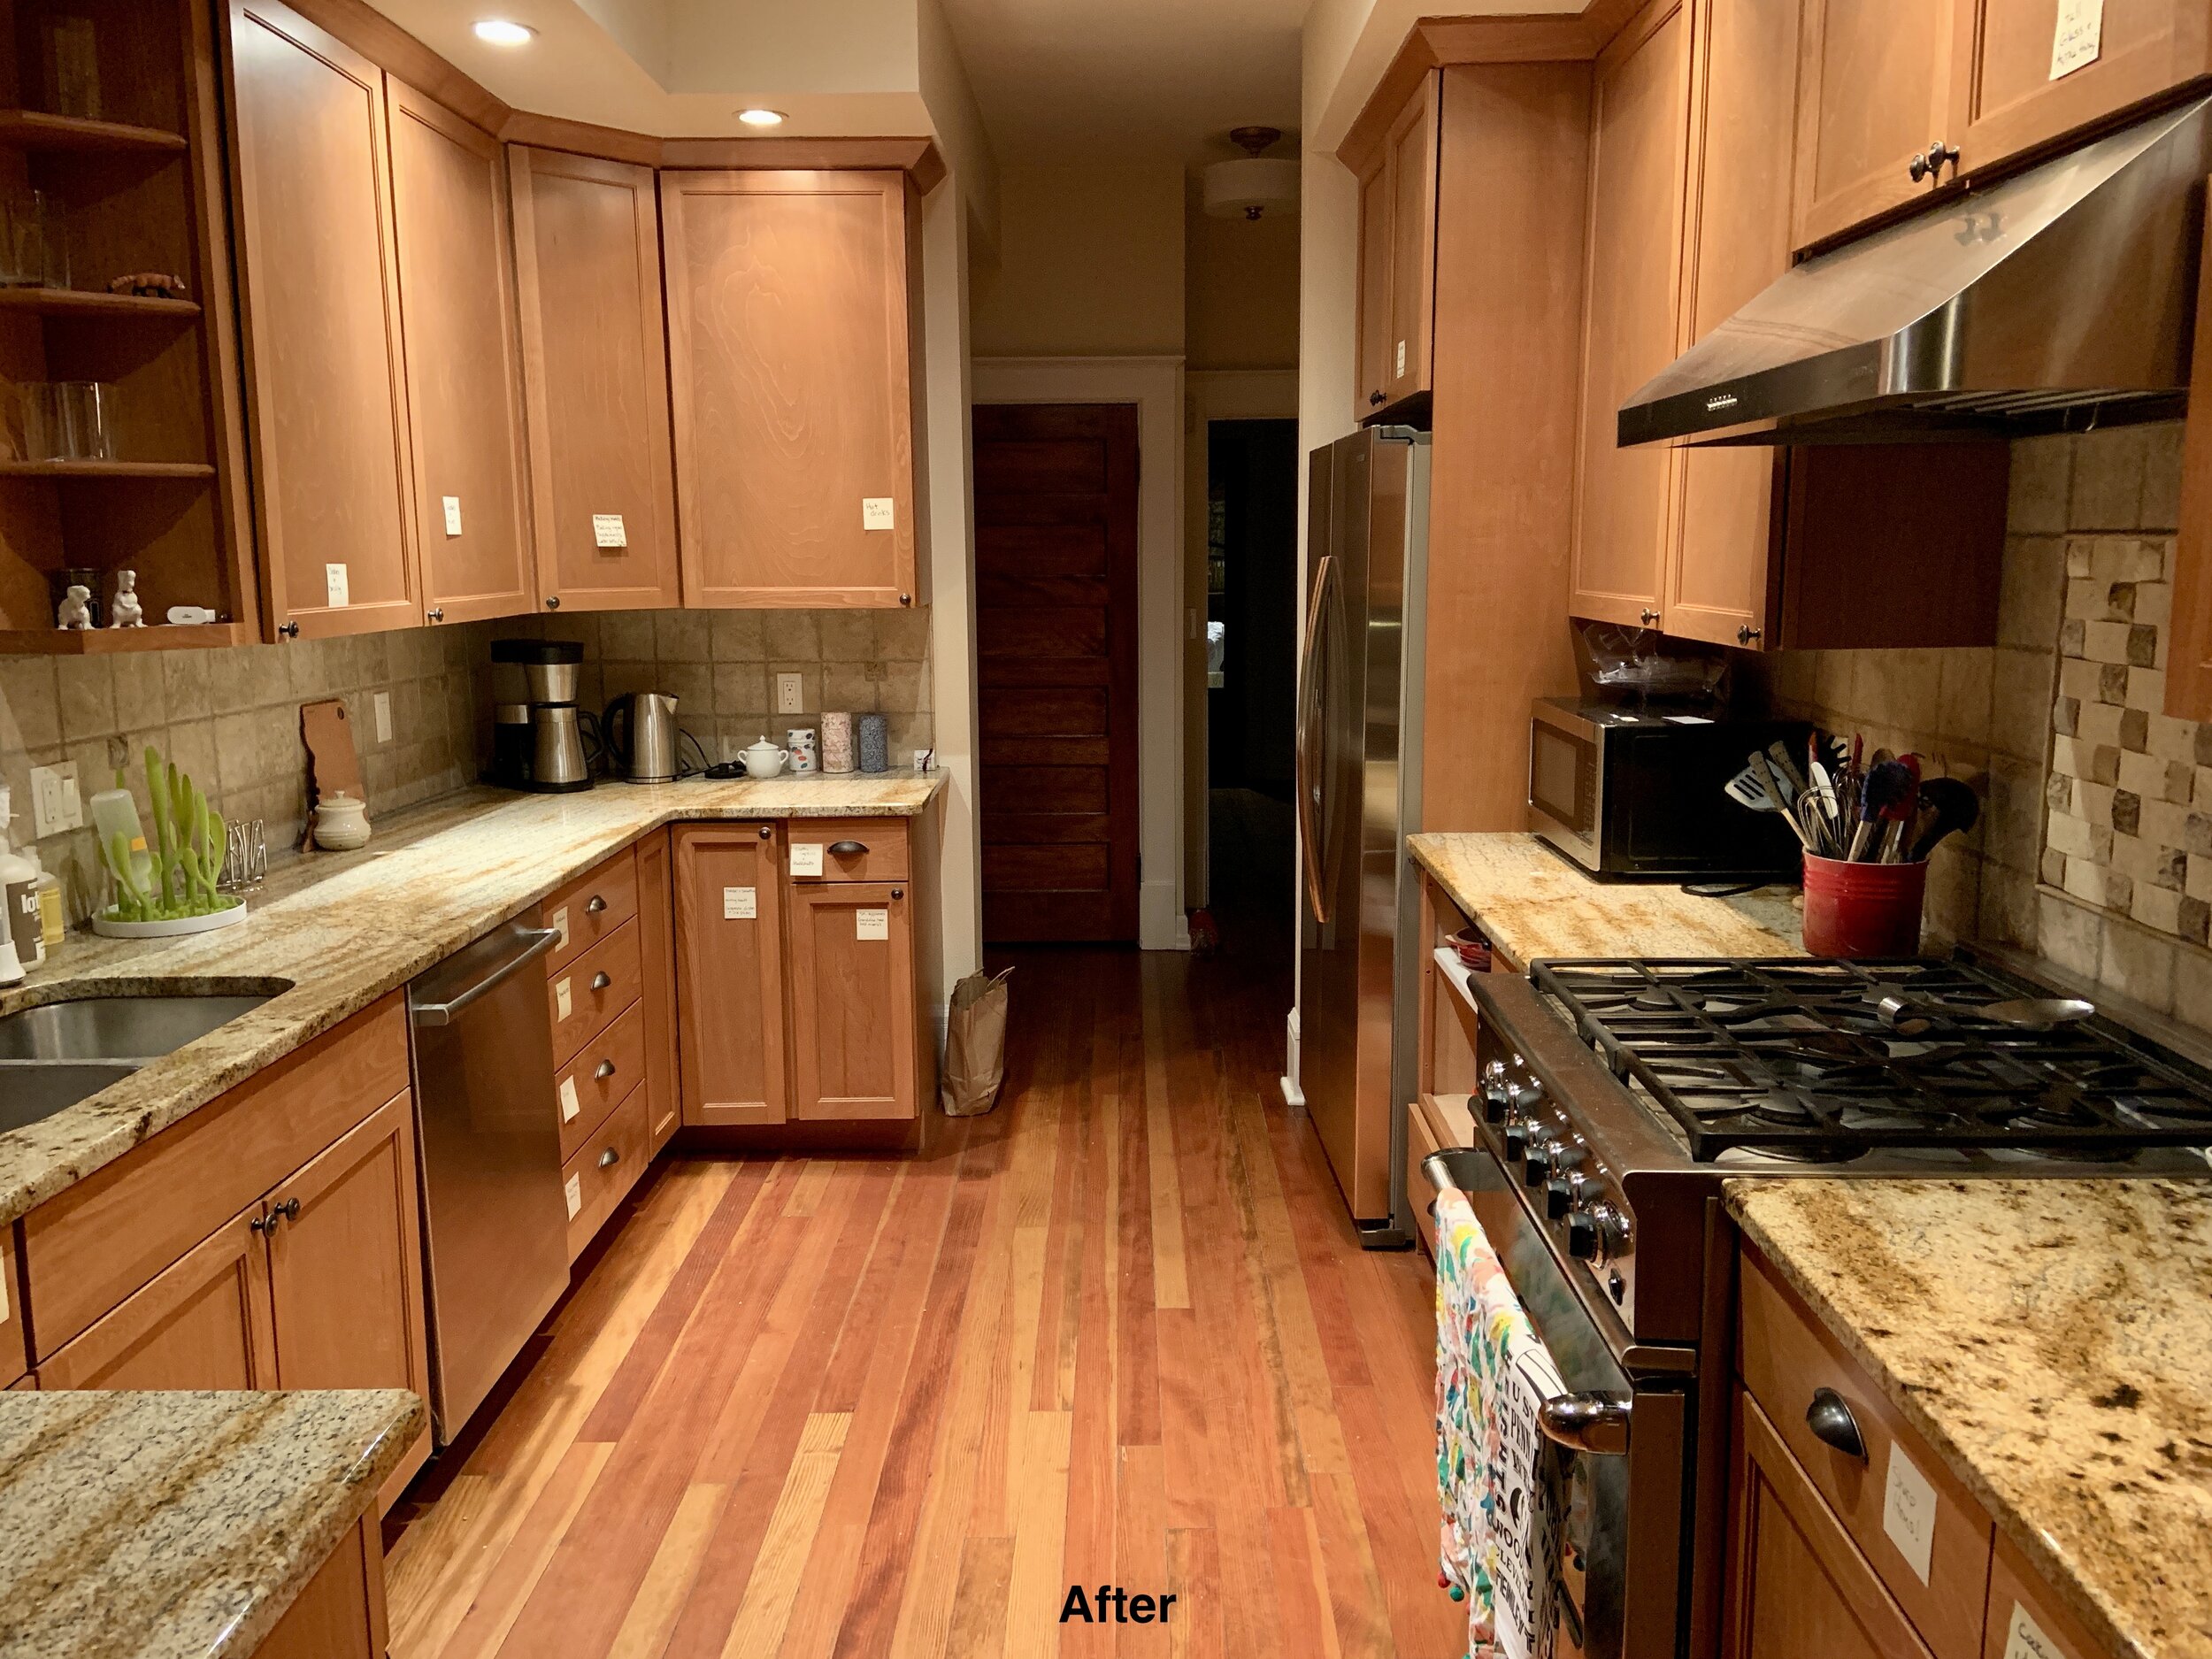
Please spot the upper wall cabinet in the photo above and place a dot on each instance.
(1874, 80)
(327, 397)
(587, 268)
(1397, 260)
(792, 379)
(463, 383)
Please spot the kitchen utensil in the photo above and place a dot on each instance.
(763, 759)
(804, 750)
(334, 766)
(1911, 1015)
(1897, 817)
(1948, 807)
(1472, 949)
(1888, 783)
(1747, 788)
(1785, 769)
(245, 857)
(639, 734)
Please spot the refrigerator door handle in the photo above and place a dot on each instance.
(1313, 715)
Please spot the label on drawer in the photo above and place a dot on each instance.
(607, 530)
(806, 858)
(1908, 1511)
(569, 1107)
(2024, 1639)
(872, 924)
(875, 512)
(562, 1002)
(2078, 36)
(573, 1189)
(740, 904)
(558, 922)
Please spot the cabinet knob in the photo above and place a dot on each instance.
(766, 829)
(847, 850)
(1373, 398)
(597, 905)
(436, 613)
(612, 1157)
(552, 602)
(601, 980)
(605, 1071)
(289, 1210)
(1649, 617)
(1931, 165)
(898, 892)
(906, 599)
(262, 1224)
(1746, 633)
(289, 630)
(1830, 1419)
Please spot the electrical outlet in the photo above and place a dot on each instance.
(55, 804)
(788, 693)
(383, 717)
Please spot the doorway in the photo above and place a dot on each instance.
(1055, 566)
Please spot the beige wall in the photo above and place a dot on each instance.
(1241, 291)
(1089, 264)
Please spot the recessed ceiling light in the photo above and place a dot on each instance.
(500, 32)
(761, 117)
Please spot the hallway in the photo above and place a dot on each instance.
(1117, 1332)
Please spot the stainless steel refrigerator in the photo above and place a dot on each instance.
(1359, 795)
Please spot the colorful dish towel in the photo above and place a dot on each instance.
(1497, 1478)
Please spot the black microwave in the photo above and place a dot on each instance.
(1639, 792)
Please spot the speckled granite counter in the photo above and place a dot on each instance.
(179, 1526)
(333, 932)
(2052, 1340)
(1533, 903)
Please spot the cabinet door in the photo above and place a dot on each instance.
(464, 377)
(588, 278)
(852, 1001)
(1797, 1586)
(2006, 96)
(729, 973)
(201, 1323)
(656, 986)
(1744, 80)
(1373, 391)
(1874, 91)
(325, 397)
(1412, 242)
(1638, 126)
(789, 374)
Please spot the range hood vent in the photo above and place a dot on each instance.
(2057, 300)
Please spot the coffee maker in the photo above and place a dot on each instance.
(539, 736)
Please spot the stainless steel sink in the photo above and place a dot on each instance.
(32, 1093)
(127, 1028)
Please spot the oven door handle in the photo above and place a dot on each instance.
(1596, 1422)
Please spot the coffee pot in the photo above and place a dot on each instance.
(639, 734)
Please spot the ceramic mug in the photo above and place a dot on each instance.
(805, 753)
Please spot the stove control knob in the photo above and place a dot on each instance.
(1559, 1196)
(1539, 1166)
(1496, 1097)
(1566, 1154)
(1516, 1143)
(1527, 1096)
(1612, 1228)
(1582, 1234)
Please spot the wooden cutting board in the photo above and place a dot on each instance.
(333, 767)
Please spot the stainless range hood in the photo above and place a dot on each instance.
(2057, 300)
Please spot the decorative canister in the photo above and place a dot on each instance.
(837, 742)
(875, 743)
(805, 752)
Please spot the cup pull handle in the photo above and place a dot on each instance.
(605, 1071)
(600, 982)
(597, 905)
(1830, 1419)
(612, 1157)
(847, 850)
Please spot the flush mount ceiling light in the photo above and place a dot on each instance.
(761, 117)
(501, 32)
(1251, 186)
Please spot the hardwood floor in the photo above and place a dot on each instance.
(1117, 1332)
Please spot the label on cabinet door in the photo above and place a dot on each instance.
(1401, 359)
(740, 904)
(806, 858)
(2078, 36)
(2024, 1639)
(573, 1189)
(875, 512)
(558, 922)
(561, 1001)
(335, 585)
(607, 531)
(1908, 1511)
(452, 515)
(570, 1106)
(872, 924)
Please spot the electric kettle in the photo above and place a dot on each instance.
(639, 734)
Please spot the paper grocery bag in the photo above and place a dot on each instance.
(975, 1046)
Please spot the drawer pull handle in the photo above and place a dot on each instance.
(847, 850)
(1831, 1422)
(597, 905)
(1595, 1423)
(601, 980)
(605, 1071)
(612, 1157)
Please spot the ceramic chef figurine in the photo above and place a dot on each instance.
(76, 609)
(127, 612)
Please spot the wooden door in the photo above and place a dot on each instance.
(594, 375)
(1638, 126)
(1797, 1585)
(656, 986)
(326, 395)
(852, 1000)
(792, 386)
(1874, 91)
(1743, 90)
(729, 973)
(1373, 388)
(1412, 148)
(1056, 554)
(201, 1323)
(463, 374)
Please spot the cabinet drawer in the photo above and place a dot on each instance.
(15, 1352)
(604, 1168)
(590, 908)
(881, 840)
(2019, 1601)
(605, 1070)
(90, 1247)
(1785, 1360)
(591, 990)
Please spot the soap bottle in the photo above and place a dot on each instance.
(52, 922)
(18, 895)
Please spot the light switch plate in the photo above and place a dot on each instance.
(383, 717)
(790, 689)
(875, 512)
(54, 803)
(452, 515)
(607, 530)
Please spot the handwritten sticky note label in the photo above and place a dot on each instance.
(2024, 1639)
(452, 515)
(1908, 1509)
(558, 922)
(875, 512)
(2078, 36)
(1401, 359)
(872, 924)
(607, 530)
(561, 1001)
(568, 1106)
(806, 858)
(336, 587)
(573, 1189)
(740, 904)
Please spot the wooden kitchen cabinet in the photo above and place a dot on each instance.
(588, 280)
(791, 300)
(1874, 81)
(729, 973)
(1396, 302)
(656, 870)
(464, 376)
(341, 1614)
(852, 1001)
(2189, 653)
(327, 401)
(1373, 302)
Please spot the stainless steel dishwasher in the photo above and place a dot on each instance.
(494, 1223)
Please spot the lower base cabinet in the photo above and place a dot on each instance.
(852, 1001)
(729, 974)
(341, 1614)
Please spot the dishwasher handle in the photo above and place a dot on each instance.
(542, 939)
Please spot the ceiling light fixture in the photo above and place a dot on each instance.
(501, 32)
(1255, 185)
(761, 117)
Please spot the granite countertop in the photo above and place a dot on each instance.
(2053, 1342)
(179, 1526)
(1533, 904)
(333, 932)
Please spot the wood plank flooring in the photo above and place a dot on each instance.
(1119, 1332)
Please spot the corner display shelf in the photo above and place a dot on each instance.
(120, 642)
(105, 469)
(87, 303)
(35, 130)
